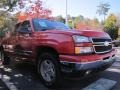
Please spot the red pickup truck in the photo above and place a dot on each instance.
(55, 48)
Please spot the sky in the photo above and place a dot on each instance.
(87, 8)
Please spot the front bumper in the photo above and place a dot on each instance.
(95, 64)
(105, 60)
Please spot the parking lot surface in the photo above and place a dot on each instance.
(23, 76)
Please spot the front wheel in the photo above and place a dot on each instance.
(49, 70)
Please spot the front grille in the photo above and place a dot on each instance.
(102, 45)
(100, 40)
(103, 48)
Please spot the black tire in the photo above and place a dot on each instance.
(52, 60)
(4, 59)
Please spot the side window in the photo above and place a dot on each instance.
(25, 27)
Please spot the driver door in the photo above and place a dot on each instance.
(23, 46)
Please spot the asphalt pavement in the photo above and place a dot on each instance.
(23, 76)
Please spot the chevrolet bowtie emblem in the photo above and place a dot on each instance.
(106, 43)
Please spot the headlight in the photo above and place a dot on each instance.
(83, 50)
(79, 39)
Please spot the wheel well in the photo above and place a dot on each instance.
(1, 48)
(43, 49)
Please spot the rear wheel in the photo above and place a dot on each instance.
(4, 59)
(49, 70)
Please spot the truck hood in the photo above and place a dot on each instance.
(88, 33)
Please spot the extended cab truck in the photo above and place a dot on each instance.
(54, 48)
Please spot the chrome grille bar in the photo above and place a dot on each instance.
(103, 45)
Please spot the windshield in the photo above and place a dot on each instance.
(43, 24)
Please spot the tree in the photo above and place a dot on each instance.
(28, 9)
(24, 9)
(88, 24)
(118, 20)
(110, 21)
(111, 27)
(81, 26)
(6, 22)
(70, 21)
(78, 19)
(103, 9)
(8, 4)
(60, 19)
(35, 9)
(94, 23)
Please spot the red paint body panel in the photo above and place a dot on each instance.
(85, 58)
(59, 40)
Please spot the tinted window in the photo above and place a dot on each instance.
(42, 24)
(25, 27)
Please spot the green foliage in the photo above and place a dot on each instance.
(77, 19)
(110, 26)
(113, 32)
(71, 24)
(60, 19)
(80, 21)
(8, 4)
(6, 19)
(7, 22)
(118, 20)
(110, 21)
(70, 21)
